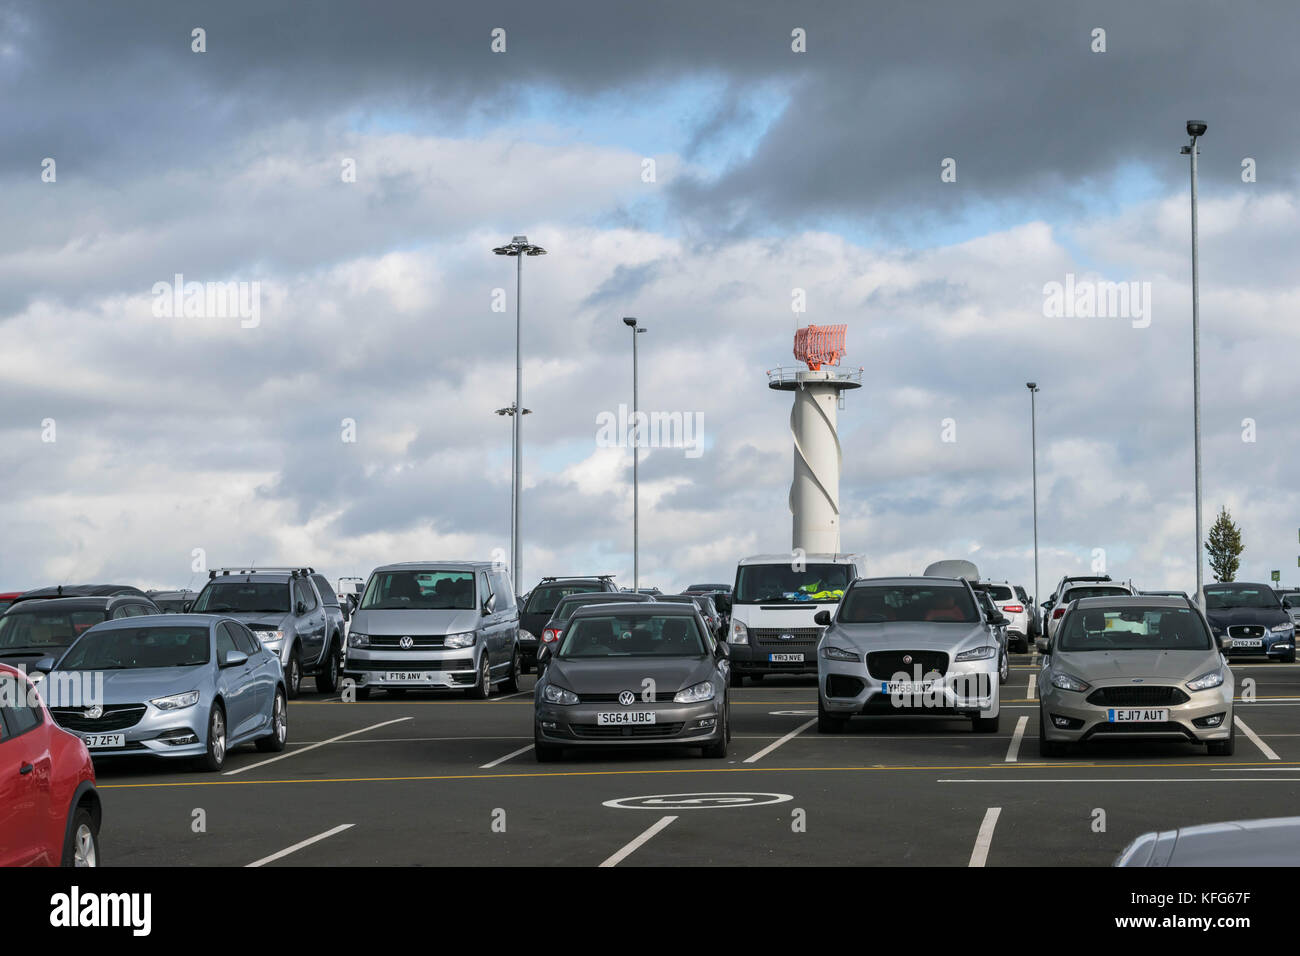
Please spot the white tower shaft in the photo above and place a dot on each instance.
(815, 490)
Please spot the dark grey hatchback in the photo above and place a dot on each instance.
(645, 674)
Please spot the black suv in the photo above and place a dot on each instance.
(1252, 616)
(541, 605)
(46, 627)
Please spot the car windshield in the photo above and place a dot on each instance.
(46, 626)
(1220, 599)
(1075, 594)
(642, 635)
(880, 604)
(265, 597)
(1000, 592)
(123, 648)
(170, 605)
(420, 591)
(564, 610)
(1120, 627)
(546, 597)
(783, 583)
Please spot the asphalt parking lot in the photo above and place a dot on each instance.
(427, 780)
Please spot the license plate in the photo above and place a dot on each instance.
(785, 658)
(1134, 715)
(621, 717)
(1247, 642)
(907, 686)
(104, 741)
(416, 677)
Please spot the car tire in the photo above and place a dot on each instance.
(1004, 668)
(482, 688)
(82, 846)
(546, 753)
(215, 758)
(274, 741)
(1047, 748)
(718, 750)
(293, 674)
(1223, 748)
(1289, 659)
(829, 723)
(986, 725)
(327, 681)
(510, 684)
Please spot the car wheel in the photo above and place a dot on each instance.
(482, 690)
(546, 753)
(1289, 659)
(511, 684)
(1223, 748)
(293, 673)
(274, 741)
(1047, 748)
(215, 758)
(82, 848)
(327, 681)
(986, 725)
(1004, 669)
(829, 723)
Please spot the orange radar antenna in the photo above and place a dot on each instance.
(819, 345)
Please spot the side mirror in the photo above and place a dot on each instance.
(823, 618)
(1044, 645)
(300, 608)
(723, 650)
(1000, 619)
(544, 653)
(187, 607)
(722, 602)
(1225, 643)
(44, 665)
(234, 659)
(489, 605)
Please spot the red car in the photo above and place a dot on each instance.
(49, 807)
(7, 598)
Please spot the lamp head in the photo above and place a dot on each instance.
(629, 322)
(1196, 128)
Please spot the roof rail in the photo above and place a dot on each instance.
(574, 577)
(292, 572)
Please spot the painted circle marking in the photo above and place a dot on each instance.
(697, 801)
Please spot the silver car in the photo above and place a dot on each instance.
(439, 625)
(1129, 667)
(1269, 842)
(644, 674)
(169, 685)
(907, 646)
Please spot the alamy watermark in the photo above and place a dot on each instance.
(209, 300)
(1086, 299)
(652, 430)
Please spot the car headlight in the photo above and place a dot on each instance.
(977, 654)
(1282, 630)
(463, 639)
(1069, 682)
(358, 639)
(558, 695)
(833, 653)
(527, 635)
(270, 637)
(176, 701)
(739, 633)
(695, 694)
(1206, 681)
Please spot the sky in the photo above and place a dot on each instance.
(921, 173)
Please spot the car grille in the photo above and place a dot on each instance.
(883, 665)
(1155, 696)
(115, 717)
(398, 664)
(771, 636)
(661, 697)
(644, 730)
(1105, 729)
(1246, 630)
(417, 640)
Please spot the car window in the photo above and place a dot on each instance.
(121, 611)
(504, 592)
(546, 597)
(419, 590)
(43, 627)
(326, 592)
(21, 711)
(1127, 628)
(613, 635)
(1075, 594)
(244, 638)
(1000, 592)
(305, 594)
(138, 610)
(879, 604)
(1222, 599)
(225, 643)
(264, 597)
(155, 645)
(780, 583)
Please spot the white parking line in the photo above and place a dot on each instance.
(639, 842)
(786, 739)
(1013, 751)
(985, 837)
(518, 693)
(1254, 738)
(1033, 686)
(298, 846)
(352, 733)
(500, 760)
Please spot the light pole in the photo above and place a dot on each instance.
(518, 247)
(1196, 129)
(514, 456)
(636, 456)
(1033, 440)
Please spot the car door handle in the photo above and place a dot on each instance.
(25, 769)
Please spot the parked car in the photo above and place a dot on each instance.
(1128, 666)
(996, 622)
(79, 590)
(7, 598)
(286, 612)
(1268, 842)
(1035, 612)
(708, 610)
(908, 646)
(709, 588)
(540, 604)
(50, 814)
(564, 610)
(174, 686)
(172, 602)
(436, 625)
(38, 629)
(1082, 589)
(330, 671)
(773, 607)
(1253, 617)
(1016, 609)
(1290, 599)
(633, 674)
